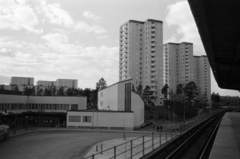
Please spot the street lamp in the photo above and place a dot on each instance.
(26, 122)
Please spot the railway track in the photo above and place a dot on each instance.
(196, 143)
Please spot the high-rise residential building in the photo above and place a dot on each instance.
(71, 83)
(22, 81)
(202, 76)
(141, 54)
(46, 83)
(177, 64)
(180, 66)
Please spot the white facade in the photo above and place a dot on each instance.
(102, 119)
(22, 81)
(141, 54)
(119, 97)
(17, 103)
(70, 83)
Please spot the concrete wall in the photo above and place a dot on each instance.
(138, 109)
(109, 97)
(106, 119)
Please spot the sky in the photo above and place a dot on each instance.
(79, 39)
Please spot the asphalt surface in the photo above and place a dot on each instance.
(55, 144)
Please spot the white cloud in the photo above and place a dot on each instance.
(90, 15)
(18, 16)
(102, 37)
(56, 15)
(180, 15)
(88, 28)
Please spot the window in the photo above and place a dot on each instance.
(87, 118)
(101, 103)
(74, 118)
(101, 94)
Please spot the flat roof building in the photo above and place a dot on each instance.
(22, 81)
(46, 83)
(72, 83)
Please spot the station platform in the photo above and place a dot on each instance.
(227, 141)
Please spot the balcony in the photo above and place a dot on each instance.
(152, 64)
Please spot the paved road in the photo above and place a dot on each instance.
(54, 144)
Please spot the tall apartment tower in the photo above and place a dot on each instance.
(177, 64)
(22, 81)
(202, 75)
(141, 54)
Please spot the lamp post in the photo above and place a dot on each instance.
(26, 123)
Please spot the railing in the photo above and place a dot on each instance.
(140, 146)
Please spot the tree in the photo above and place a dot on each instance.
(70, 92)
(101, 84)
(165, 91)
(53, 90)
(147, 96)
(133, 88)
(29, 91)
(191, 92)
(60, 91)
(47, 92)
(16, 90)
(139, 89)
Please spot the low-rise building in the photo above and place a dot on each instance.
(119, 108)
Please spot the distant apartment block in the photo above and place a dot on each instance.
(180, 66)
(22, 81)
(71, 83)
(202, 75)
(177, 64)
(141, 54)
(46, 83)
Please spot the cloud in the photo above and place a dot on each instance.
(17, 16)
(4, 79)
(102, 37)
(6, 52)
(90, 15)
(180, 15)
(88, 28)
(55, 14)
(59, 42)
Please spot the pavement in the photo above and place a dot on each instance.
(107, 141)
(123, 147)
(227, 141)
(23, 131)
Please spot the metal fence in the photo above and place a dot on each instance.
(140, 146)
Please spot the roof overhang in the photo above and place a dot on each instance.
(218, 23)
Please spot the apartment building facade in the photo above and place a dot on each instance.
(141, 54)
(20, 81)
(178, 64)
(70, 83)
(46, 83)
(202, 76)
